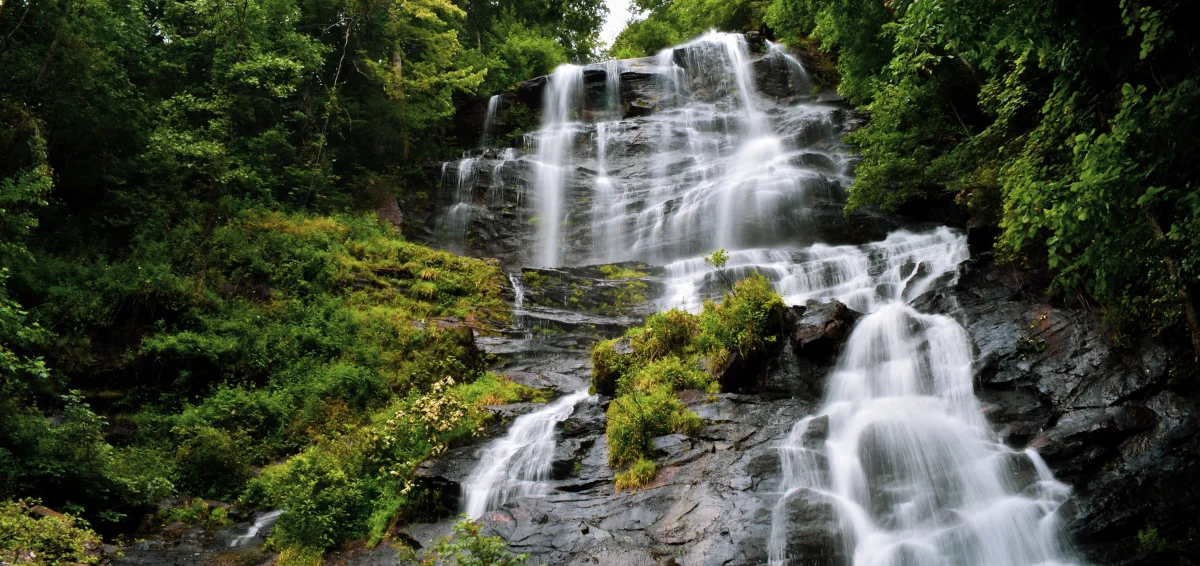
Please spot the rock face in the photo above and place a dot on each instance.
(1105, 420)
(710, 503)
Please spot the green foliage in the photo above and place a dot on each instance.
(1149, 541)
(639, 475)
(492, 389)
(663, 333)
(47, 540)
(745, 322)
(670, 22)
(468, 546)
(666, 355)
(182, 245)
(359, 481)
(1067, 128)
(673, 373)
(195, 511)
(211, 462)
(620, 272)
(636, 417)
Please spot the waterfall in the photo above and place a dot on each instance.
(724, 148)
(453, 224)
(605, 201)
(519, 464)
(612, 88)
(496, 188)
(263, 521)
(488, 120)
(561, 105)
(518, 291)
(903, 453)
(901, 267)
(797, 76)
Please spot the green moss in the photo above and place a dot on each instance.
(671, 372)
(664, 333)
(745, 321)
(637, 417)
(1149, 541)
(492, 389)
(639, 475)
(619, 272)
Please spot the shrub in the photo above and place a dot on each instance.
(665, 356)
(607, 366)
(492, 389)
(195, 512)
(639, 475)
(44, 540)
(469, 547)
(745, 321)
(324, 497)
(663, 333)
(635, 418)
(211, 463)
(674, 374)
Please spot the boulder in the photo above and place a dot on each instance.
(819, 330)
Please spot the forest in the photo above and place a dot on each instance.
(197, 297)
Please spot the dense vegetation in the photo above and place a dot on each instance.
(1069, 125)
(194, 298)
(673, 351)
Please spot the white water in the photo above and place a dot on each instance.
(561, 105)
(453, 224)
(518, 291)
(909, 464)
(901, 267)
(264, 521)
(519, 464)
(612, 88)
(488, 120)
(797, 75)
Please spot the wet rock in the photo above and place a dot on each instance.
(819, 330)
(589, 290)
(814, 536)
(1048, 378)
(816, 433)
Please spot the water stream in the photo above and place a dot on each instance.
(519, 464)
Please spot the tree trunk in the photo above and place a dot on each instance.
(1189, 306)
(54, 44)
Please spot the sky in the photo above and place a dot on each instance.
(618, 14)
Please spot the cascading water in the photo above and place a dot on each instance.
(612, 88)
(262, 522)
(907, 461)
(562, 104)
(453, 225)
(489, 119)
(722, 147)
(519, 464)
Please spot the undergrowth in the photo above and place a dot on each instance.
(673, 351)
